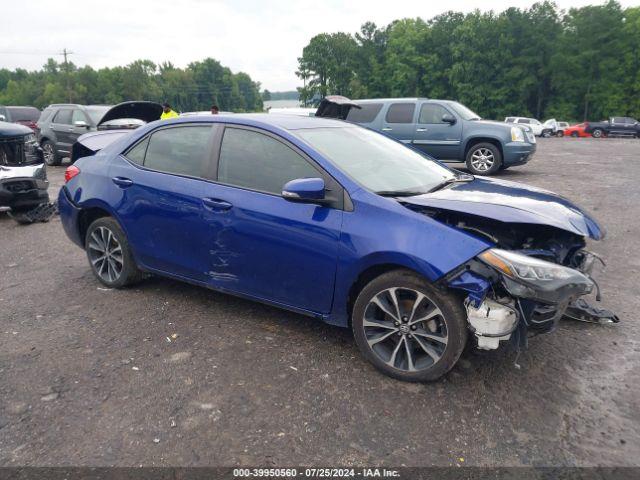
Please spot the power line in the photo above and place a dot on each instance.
(66, 69)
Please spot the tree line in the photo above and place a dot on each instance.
(193, 88)
(541, 62)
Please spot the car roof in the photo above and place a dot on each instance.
(283, 121)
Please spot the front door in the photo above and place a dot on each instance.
(261, 244)
(161, 184)
(77, 130)
(435, 136)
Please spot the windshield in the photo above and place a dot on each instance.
(375, 161)
(96, 113)
(463, 111)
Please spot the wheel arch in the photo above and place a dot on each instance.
(89, 215)
(368, 274)
(483, 139)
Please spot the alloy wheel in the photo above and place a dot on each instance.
(105, 254)
(482, 159)
(405, 329)
(49, 154)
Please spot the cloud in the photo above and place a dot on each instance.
(261, 38)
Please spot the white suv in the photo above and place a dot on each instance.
(534, 124)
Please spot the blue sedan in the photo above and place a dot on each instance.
(337, 222)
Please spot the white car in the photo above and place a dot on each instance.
(532, 123)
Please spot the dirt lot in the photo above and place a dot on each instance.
(171, 374)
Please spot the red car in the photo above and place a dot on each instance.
(576, 131)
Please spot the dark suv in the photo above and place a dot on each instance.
(60, 125)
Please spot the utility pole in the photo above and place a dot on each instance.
(66, 69)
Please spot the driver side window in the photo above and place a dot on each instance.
(259, 162)
(431, 113)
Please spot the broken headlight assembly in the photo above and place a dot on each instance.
(530, 277)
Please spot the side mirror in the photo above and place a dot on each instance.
(448, 118)
(2, 118)
(304, 190)
(80, 123)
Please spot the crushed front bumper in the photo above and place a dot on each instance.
(498, 306)
(23, 187)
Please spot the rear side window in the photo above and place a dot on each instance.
(63, 116)
(180, 150)
(509, 119)
(259, 162)
(366, 114)
(44, 116)
(432, 113)
(137, 153)
(524, 120)
(400, 113)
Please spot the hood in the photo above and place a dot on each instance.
(145, 111)
(13, 130)
(335, 106)
(511, 202)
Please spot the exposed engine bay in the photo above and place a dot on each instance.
(535, 275)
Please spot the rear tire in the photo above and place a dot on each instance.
(424, 349)
(560, 134)
(109, 254)
(574, 134)
(484, 159)
(51, 157)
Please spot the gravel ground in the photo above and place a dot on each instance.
(171, 374)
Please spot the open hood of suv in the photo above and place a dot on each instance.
(145, 111)
(511, 202)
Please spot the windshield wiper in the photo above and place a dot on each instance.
(463, 177)
(398, 193)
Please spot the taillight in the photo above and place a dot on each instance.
(70, 172)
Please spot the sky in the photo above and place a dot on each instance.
(262, 38)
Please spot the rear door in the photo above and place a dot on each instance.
(436, 137)
(261, 244)
(158, 192)
(62, 128)
(399, 121)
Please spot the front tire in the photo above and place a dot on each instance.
(597, 133)
(109, 254)
(484, 159)
(574, 134)
(51, 157)
(407, 329)
(560, 134)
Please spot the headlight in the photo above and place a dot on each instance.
(523, 267)
(31, 138)
(517, 135)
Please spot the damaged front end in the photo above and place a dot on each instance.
(535, 275)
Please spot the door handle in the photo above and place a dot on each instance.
(122, 182)
(386, 129)
(216, 204)
(421, 129)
